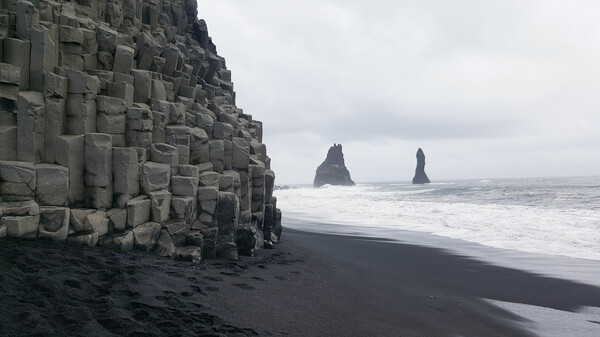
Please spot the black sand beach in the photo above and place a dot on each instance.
(310, 285)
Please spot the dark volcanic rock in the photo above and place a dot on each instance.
(124, 113)
(420, 176)
(333, 171)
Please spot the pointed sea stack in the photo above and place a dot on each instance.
(333, 171)
(420, 176)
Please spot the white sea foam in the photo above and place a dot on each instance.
(549, 322)
(455, 213)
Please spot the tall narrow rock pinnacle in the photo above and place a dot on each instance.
(420, 176)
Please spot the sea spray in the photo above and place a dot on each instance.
(556, 216)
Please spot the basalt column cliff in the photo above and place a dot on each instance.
(118, 128)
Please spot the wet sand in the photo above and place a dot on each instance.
(310, 285)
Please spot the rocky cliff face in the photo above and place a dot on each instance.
(420, 176)
(118, 128)
(333, 170)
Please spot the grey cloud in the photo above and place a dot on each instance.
(510, 74)
(373, 125)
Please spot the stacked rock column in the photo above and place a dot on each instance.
(118, 128)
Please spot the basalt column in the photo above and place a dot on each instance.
(119, 128)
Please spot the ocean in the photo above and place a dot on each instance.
(549, 216)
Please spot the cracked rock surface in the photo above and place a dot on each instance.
(119, 114)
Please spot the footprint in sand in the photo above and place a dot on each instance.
(176, 274)
(132, 280)
(243, 286)
(172, 301)
(198, 290)
(228, 273)
(101, 291)
(281, 278)
(141, 315)
(130, 293)
(110, 324)
(214, 278)
(72, 284)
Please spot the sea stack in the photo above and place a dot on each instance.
(420, 176)
(333, 171)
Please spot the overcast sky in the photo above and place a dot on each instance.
(488, 89)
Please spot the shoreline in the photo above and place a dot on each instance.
(310, 284)
(576, 269)
(464, 284)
